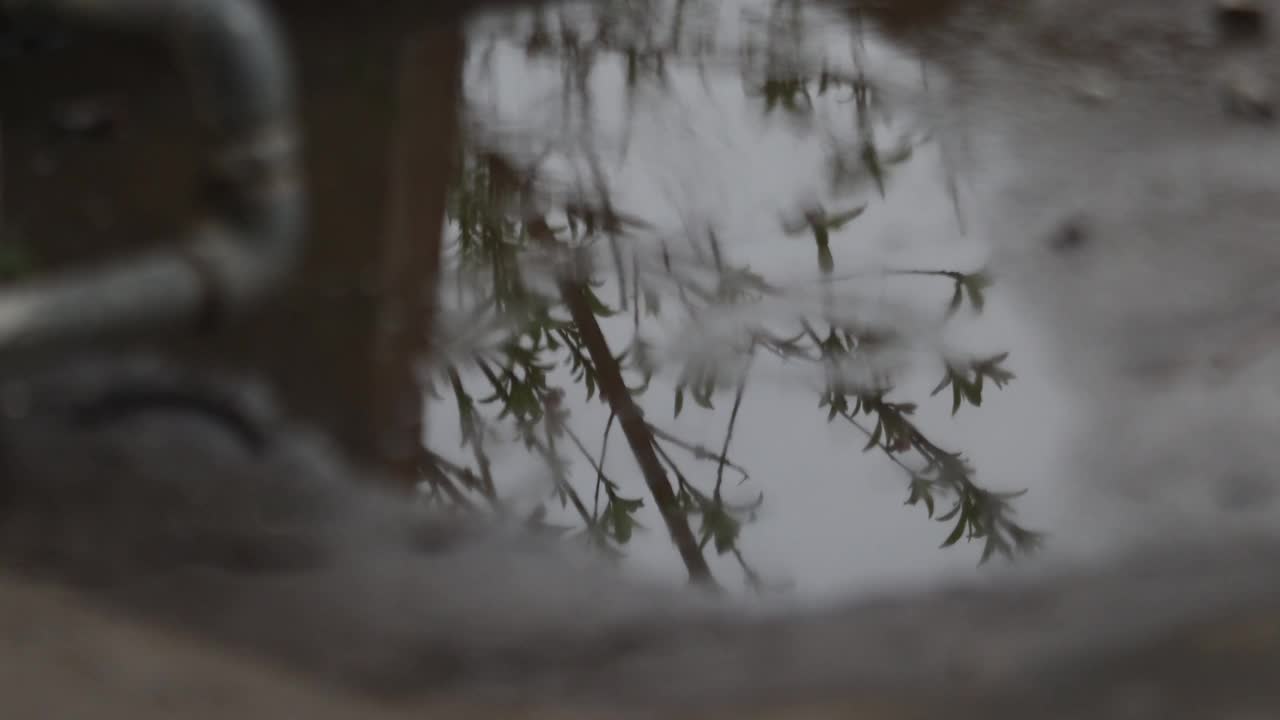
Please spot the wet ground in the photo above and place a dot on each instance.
(1113, 167)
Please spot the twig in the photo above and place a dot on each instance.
(604, 447)
(556, 465)
(477, 434)
(597, 466)
(699, 452)
(733, 418)
(636, 430)
(439, 481)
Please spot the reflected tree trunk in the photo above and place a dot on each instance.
(422, 163)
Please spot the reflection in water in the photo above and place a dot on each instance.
(764, 192)
(632, 122)
(80, 197)
(756, 194)
(780, 209)
(711, 294)
(1129, 200)
(763, 212)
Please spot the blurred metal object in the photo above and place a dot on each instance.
(248, 240)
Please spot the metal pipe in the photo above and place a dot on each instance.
(249, 239)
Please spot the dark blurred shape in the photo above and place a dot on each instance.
(23, 37)
(242, 246)
(1070, 236)
(89, 118)
(1240, 20)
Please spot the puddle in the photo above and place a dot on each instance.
(1092, 160)
(748, 127)
(788, 209)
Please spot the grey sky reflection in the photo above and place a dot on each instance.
(701, 154)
